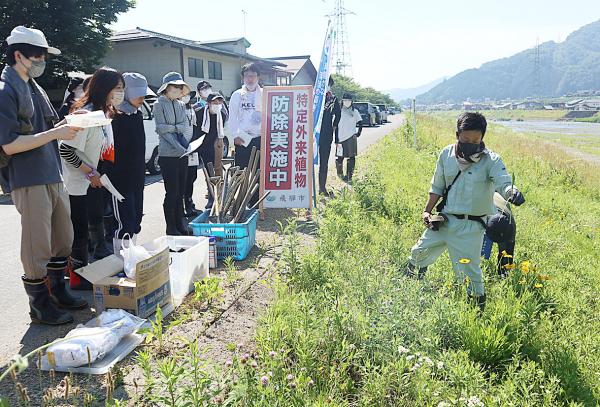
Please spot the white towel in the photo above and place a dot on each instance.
(206, 123)
(257, 100)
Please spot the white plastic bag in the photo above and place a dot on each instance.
(92, 341)
(132, 255)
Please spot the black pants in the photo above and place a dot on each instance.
(174, 172)
(128, 213)
(242, 154)
(324, 153)
(79, 216)
(87, 209)
(192, 175)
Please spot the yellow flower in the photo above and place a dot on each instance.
(464, 261)
(509, 266)
(504, 254)
(525, 266)
(522, 281)
(544, 277)
(538, 285)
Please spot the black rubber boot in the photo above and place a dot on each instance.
(41, 308)
(410, 272)
(478, 300)
(323, 183)
(339, 167)
(189, 208)
(99, 247)
(170, 217)
(350, 168)
(181, 222)
(79, 258)
(59, 293)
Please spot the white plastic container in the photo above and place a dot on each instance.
(187, 266)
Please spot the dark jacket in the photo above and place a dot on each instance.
(128, 171)
(206, 149)
(331, 118)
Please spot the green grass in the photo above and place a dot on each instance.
(346, 329)
(504, 115)
(594, 119)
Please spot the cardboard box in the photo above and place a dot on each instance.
(188, 266)
(140, 296)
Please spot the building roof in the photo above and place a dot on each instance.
(229, 40)
(142, 34)
(294, 64)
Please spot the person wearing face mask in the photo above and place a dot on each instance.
(204, 89)
(172, 125)
(211, 119)
(331, 119)
(466, 176)
(245, 115)
(346, 138)
(189, 209)
(81, 160)
(128, 173)
(30, 170)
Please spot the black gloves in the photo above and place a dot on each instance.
(515, 197)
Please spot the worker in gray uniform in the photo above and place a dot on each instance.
(466, 176)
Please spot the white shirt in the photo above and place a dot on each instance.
(243, 116)
(347, 126)
(88, 143)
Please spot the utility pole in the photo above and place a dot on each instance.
(244, 13)
(341, 48)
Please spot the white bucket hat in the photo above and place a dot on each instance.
(173, 78)
(31, 36)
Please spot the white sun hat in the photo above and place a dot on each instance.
(31, 36)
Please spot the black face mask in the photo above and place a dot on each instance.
(468, 149)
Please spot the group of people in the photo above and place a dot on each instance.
(56, 172)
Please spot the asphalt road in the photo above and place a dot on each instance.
(17, 334)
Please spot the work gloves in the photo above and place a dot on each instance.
(515, 197)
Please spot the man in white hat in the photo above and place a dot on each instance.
(31, 172)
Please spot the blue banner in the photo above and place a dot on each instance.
(321, 88)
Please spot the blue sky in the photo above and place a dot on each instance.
(392, 43)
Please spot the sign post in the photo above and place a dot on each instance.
(286, 152)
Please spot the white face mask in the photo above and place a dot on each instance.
(186, 99)
(205, 92)
(346, 103)
(251, 86)
(174, 93)
(214, 109)
(118, 96)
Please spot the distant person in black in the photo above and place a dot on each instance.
(329, 123)
(75, 91)
(128, 172)
(211, 126)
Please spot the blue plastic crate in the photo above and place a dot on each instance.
(233, 239)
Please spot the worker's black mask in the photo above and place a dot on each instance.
(468, 149)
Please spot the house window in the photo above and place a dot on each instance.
(215, 71)
(283, 80)
(196, 68)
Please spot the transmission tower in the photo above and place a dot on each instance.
(341, 49)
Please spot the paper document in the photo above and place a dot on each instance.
(246, 137)
(109, 186)
(194, 145)
(91, 119)
(339, 152)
